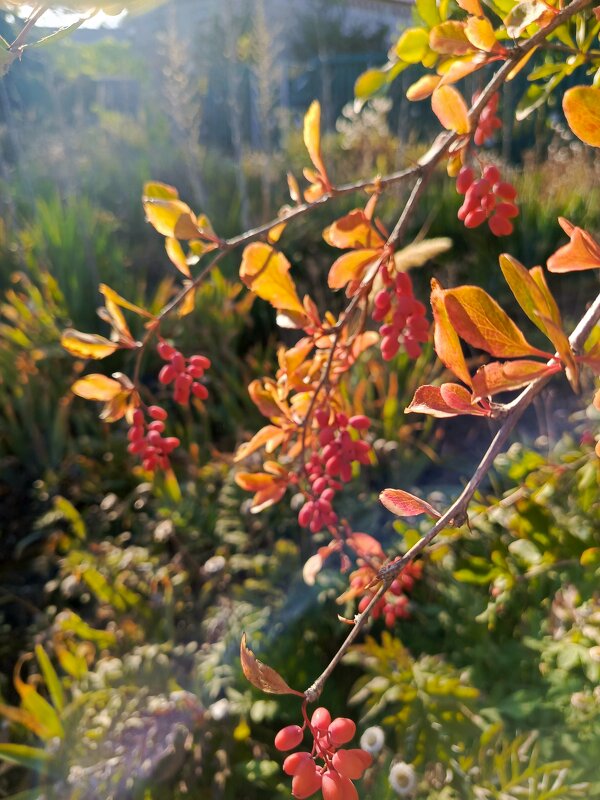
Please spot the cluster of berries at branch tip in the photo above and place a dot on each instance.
(395, 604)
(487, 198)
(403, 316)
(327, 767)
(488, 120)
(331, 464)
(183, 373)
(147, 441)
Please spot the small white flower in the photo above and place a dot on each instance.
(372, 740)
(403, 779)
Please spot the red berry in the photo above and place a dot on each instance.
(306, 783)
(341, 731)
(165, 350)
(351, 763)
(507, 210)
(500, 225)
(156, 412)
(338, 787)
(491, 173)
(505, 190)
(167, 374)
(321, 719)
(289, 737)
(475, 218)
(359, 422)
(464, 179)
(296, 762)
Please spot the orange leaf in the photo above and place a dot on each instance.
(459, 68)
(430, 400)
(521, 63)
(352, 231)
(350, 267)
(270, 435)
(365, 545)
(422, 88)
(480, 33)
(265, 272)
(260, 675)
(479, 320)
(269, 488)
(581, 105)
(404, 504)
(449, 107)
(508, 376)
(582, 252)
(446, 341)
(97, 387)
(87, 345)
(526, 291)
(450, 38)
(312, 136)
(471, 6)
(111, 296)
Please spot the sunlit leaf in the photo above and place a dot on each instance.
(312, 136)
(413, 45)
(433, 400)
(480, 33)
(34, 758)
(365, 546)
(87, 345)
(450, 38)
(423, 87)
(524, 14)
(582, 252)
(51, 679)
(260, 675)
(369, 82)
(404, 504)
(479, 320)
(350, 267)
(177, 256)
(581, 105)
(96, 387)
(114, 297)
(351, 231)
(270, 437)
(446, 342)
(418, 253)
(40, 708)
(509, 375)
(471, 6)
(450, 108)
(265, 272)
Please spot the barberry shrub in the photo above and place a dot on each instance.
(314, 440)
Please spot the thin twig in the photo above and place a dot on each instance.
(33, 18)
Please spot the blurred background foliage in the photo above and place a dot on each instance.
(122, 601)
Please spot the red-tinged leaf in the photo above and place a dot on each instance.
(177, 256)
(365, 545)
(254, 481)
(429, 400)
(537, 273)
(563, 347)
(422, 88)
(480, 33)
(269, 489)
(350, 267)
(404, 504)
(269, 437)
(582, 252)
(260, 675)
(265, 272)
(446, 342)
(508, 376)
(312, 136)
(450, 38)
(171, 218)
(264, 396)
(460, 399)
(87, 345)
(479, 320)
(449, 107)
(471, 6)
(97, 387)
(352, 231)
(294, 189)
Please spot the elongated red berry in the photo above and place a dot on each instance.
(338, 787)
(296, 762)
(321, 719)
(351, 763)
(306, 783)
(289, 737)
(341, 731)
(464, 179)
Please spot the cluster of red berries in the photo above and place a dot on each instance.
(184, 373)
(331, 464)
(395, 604)
(487, 198)
(406, 322)
(147, 440)
(339, 766)
(488, 120)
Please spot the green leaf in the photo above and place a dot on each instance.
(24, 756)
(428, 11)
(70, 514)
(51, 678)
(413, 45)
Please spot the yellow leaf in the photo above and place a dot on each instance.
(96, 387)
(472, 6)
(87, 345)
(422, 88)
(312, 135)
(449, 107)
(171, 217)
(581, 105)
(114, 297)
(350, 267)
(177, 256)
(265, 272)
(450, 38)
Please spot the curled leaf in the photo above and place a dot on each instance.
(87, 345)
(97, 387)
(260, 675)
